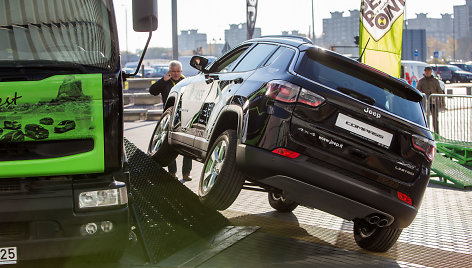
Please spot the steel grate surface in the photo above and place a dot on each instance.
(169, 215)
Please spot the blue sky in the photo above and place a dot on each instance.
(274, 16)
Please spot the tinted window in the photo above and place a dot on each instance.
(227, 62)
(256, 57)
(356, 82)
(281, 58)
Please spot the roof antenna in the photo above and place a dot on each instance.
(360, 57)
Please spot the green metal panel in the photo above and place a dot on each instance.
(42, 105)
(450, 173)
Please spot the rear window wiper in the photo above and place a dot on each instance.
(356, 95)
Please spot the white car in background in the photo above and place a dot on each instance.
(412, 72)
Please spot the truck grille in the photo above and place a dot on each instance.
(11, 185)
(13, 231)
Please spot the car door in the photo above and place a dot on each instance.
(225, 84)
(193, 96)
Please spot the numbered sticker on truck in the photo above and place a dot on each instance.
(8, 255)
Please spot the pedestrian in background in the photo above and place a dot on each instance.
(428, 85)
(163, 87)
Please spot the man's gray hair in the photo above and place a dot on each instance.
(175, 63)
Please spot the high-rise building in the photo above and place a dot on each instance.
(463, 20)
(340, 30)
(438, 28)
(237, 33)
(191, 40)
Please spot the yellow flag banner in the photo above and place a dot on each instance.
(380, 36)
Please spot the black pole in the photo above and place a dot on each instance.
(175, 41)
(312, 22)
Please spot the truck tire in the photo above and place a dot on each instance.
(221, 180)
(374, 238)
(278, 202)
(159, 148)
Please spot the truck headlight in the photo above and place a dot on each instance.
(103, 198)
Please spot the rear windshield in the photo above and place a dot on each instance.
(363, 85)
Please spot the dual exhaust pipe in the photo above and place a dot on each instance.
(379, 220)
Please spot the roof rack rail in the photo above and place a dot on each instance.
(289, 36)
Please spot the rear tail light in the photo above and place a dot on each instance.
(309, 98)
(289, 93)
(286, 153)
(426, 146)
(282, 91)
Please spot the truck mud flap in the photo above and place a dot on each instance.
(169, 216)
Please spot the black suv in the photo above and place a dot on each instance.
(309, 126)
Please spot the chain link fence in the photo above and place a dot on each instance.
(450, 116)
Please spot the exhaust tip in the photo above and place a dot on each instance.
(382, 223)
(373, 219)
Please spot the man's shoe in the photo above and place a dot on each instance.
(187, 178)
(174, 176)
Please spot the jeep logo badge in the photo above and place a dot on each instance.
(374, 114)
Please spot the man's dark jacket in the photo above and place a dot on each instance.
(163, 87)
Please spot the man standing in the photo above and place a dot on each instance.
(430, 85)
(163, 87)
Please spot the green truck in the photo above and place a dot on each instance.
(62, 177)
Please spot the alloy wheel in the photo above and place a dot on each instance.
(160, 134)
(214, 166)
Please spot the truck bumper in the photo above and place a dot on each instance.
(44, 221)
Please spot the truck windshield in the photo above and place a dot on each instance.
(43, 32)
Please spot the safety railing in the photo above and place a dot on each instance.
(450, 116)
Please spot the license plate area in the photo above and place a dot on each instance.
(8, 255)
(364, 130)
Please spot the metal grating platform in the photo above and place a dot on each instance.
(450, 173)
(169, 216)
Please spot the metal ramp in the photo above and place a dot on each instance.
(169, 216)
(459, 150)
(450, 173)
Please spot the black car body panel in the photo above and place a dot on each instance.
(368, 167)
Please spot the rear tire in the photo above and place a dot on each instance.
(159, 148)
(374, 238)
(280, 203)
(221, 181)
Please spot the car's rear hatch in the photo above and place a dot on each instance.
(366, 122)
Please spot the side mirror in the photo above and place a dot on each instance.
(144, 15)
(199, 63)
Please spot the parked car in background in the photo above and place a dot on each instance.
(413, 71)
(160, 70)
(309, 127)
(453, 74)
(463, 65)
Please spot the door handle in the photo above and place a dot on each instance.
(238, 80)
(212, 76)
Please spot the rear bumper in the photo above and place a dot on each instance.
(312, 184)
(45, 223)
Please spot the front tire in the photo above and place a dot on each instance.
(221, 181)
(374, 238)
(159, 148)
(278, 202)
